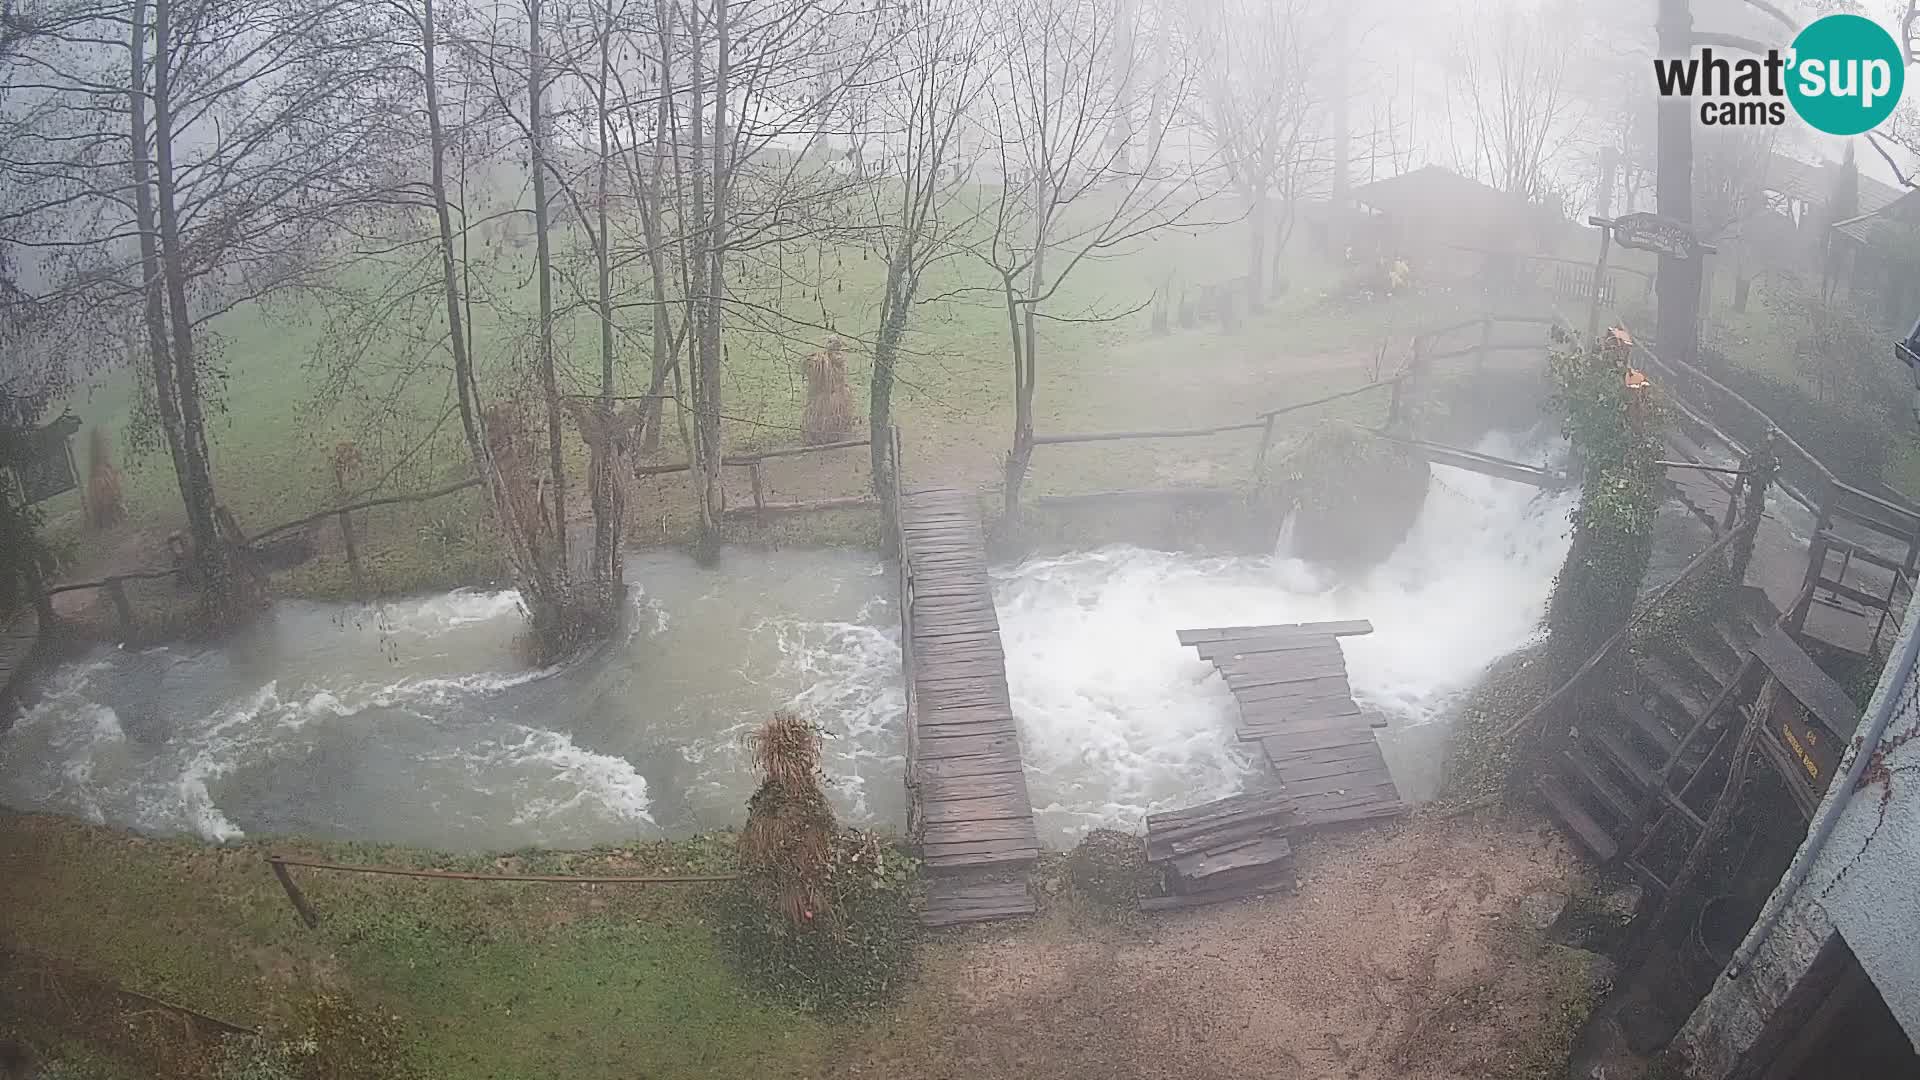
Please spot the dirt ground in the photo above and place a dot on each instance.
(1407, 954)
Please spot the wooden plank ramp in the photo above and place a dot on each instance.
(1290, 682)
(19, 638)
(969, 809)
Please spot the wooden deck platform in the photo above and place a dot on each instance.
(1291, 684)
(967, 789)
(18, 640)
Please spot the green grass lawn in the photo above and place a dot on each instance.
(288, 394)
(486, 980)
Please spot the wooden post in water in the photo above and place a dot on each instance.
(353, 551)
(1266, 441)
(294, 896)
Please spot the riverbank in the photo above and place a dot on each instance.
(1406, 952)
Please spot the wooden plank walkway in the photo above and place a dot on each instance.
(967, 787)
(18, 640)
(1291, 685)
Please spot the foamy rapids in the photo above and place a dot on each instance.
(414, 722)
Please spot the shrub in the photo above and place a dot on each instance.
(1851, 437)
(1481, 758)
(786, 847)
(823, 917)
(860, 959)
(1109, 871)
(1614, 422)
(1353, 496)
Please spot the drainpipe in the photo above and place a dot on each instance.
(1892, 693)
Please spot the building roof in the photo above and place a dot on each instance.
(1814, 183)
(1440, 194)
(1859, 229)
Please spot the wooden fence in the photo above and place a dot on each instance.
(1422, 352)
(256, 548)
(762, 508)
(1713, 407)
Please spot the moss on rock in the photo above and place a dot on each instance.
(1353, 496)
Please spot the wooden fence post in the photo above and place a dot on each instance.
(294, 896)
(1266, 443)
(117, 592)
(759, 498)
(353, 551)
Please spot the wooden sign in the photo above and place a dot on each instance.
(1810, 747)
(1651, 232)
(45, 468)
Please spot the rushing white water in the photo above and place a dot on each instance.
(1119, 719)
(414, 722)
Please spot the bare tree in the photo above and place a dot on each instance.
(1069, 195)
(937, 78)
(742, 131)
(204, 174)
(1513, 86)
(1261, 62)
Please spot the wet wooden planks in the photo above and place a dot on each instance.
(1222, 850)
(971, 812)
(955, 899)
(18, 639)
(1290, 682)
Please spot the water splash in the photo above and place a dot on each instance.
(1118, 719)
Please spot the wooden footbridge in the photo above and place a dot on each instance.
(967, 786)
(19, 640)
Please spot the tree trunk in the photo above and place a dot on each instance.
(705, 464)
(609, 505)
(651, 209)
(536, 591)
(1257, 215)
(166, 395)
(886, 352)
(711, 344)
(212, 562)
(543, 258)
(1677, 288)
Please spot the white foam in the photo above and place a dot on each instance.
(555, 777)
(1117, 719)
(431, 615)
(851, 672)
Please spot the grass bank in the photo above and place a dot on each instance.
(283, 413)
(484, 980)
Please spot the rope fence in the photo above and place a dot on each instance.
(304, 909)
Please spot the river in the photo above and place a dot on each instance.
(414, 722)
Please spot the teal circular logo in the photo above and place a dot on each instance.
(1845, 74)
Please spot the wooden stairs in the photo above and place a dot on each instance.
(1633, 761)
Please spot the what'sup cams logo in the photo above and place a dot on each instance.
(1843, 75)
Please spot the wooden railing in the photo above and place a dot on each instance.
(762, 508)
(1642, 613)
(897, 539)
(1418, 361)
(1805, 479)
